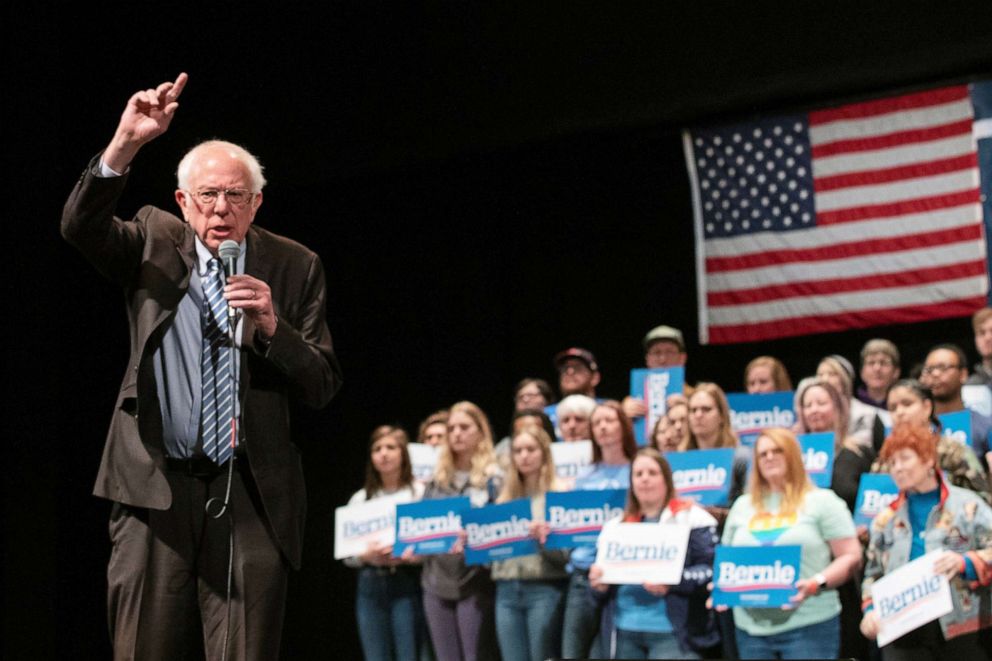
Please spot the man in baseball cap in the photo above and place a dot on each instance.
(663, 347)
(578, 372)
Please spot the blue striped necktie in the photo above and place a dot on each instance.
(218, 405)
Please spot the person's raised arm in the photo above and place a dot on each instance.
(147, 115)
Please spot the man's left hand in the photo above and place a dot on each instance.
(254, 298)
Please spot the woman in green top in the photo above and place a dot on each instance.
(784, 508)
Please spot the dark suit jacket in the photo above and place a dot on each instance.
(151, 257)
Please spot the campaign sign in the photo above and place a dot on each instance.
(875, 492)
(576, 517)
(978, 398)
(429, 526)
(818, 457)
(498, 532)
(749, 414)
(423, 458)
(957, 425)
(909, 597)
(703, 475)
(355, 526)
(571, 458)
(653, 386)
(635, 553)
(755, 576)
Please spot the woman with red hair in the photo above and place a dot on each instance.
(932, 515)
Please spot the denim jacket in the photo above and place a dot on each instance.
(961, 522)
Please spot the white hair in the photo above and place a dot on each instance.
(576, 404)
(236, 152)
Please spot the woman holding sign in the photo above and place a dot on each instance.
(530, 590)
(458, 599)
(784, 508)
(710, 427)
(388, 605)
(613, 447)
(653, 620)
(931, 515)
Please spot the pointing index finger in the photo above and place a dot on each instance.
(177, 87)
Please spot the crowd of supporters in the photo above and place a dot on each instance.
(553, 604)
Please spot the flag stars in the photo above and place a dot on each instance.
(777, 130)
(737, 137)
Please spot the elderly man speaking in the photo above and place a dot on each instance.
(207, 488)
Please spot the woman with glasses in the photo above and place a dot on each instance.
(388, 605)
(931, 515)
(709, 428)
(458, 599)
(653, 620)
(613, 447)
(784, 508)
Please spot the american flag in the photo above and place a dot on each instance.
(847, 217)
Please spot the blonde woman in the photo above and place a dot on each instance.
(710, 428)
(458, 600)
(530, 590)
(784, 508)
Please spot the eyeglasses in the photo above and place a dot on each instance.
(769, 453)
(930, 370)
(527, 396)
(237, 197)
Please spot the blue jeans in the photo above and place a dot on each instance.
(581, 621)
(528, 619)
(390, 614)
(816, 641)
(647, 645)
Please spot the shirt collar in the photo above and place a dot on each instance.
(203, 255)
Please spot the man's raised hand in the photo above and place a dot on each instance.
(147, 115)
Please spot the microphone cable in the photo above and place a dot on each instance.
(219, 507)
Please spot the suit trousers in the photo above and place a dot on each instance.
(168, 572)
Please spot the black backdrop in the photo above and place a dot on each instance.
(485, 186)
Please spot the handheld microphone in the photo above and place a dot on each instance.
(228, 252)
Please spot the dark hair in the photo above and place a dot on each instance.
(543, 386)
(626, 431)
(920, 391)
(546, 423)
(373, 481)
(947, 346)
(633, 507)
